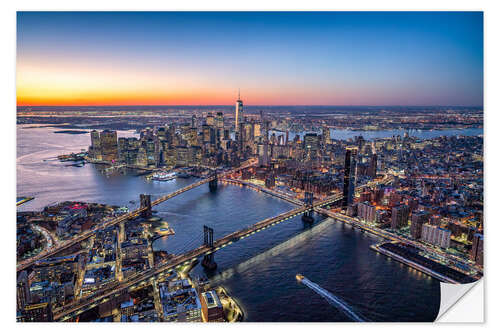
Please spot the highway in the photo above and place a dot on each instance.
(48, 236)
(385, 180)
(259, 188)
(394, 237)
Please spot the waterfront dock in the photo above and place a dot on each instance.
(409, 256)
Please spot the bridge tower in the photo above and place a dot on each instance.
(208, 240)
(213, 183)
(308, 201)
(146, 203)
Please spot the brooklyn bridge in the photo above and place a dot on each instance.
(206, 250)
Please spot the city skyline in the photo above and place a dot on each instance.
(276, 58)
(247, 166)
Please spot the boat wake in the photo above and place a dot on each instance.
(332, 299)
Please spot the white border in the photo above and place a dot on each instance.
(492, 114)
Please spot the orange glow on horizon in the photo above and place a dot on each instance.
(42, 82)
(142, 97)
(96, 99)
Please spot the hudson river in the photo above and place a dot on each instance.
(259, 271)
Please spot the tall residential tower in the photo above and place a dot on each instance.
(349, 176)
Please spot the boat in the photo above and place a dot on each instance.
(299, 277)
(71, 157)
(162, 176)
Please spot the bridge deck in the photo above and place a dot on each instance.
(70, 310)
(54, 250)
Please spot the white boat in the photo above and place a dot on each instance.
(163, 176)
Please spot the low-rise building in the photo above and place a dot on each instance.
(211, 306)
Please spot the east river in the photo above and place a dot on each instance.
(259, 271)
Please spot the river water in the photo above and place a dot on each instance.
(345, 134)
(258, 271)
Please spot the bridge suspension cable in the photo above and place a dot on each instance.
(191, 244)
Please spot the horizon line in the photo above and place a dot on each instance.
(257, 105)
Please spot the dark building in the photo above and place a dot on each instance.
(270, 181)
(417, 221)
(41, 312)
(122, 150)
(373, 162)
(400, 216)
(23, 291)
(373, 166)
(476, 253)
(95, 151)
(349, 176)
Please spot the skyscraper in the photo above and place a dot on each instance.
(109, 145)
(373, 162)
(418, 219)
(264, 153)
(238, 112)
(400, 216)
(210, 119)
(436, 236)
(95, 150)
(325, 135)
(23, 291)
(311, 146)
(219, 120)
(476, 253)
(349, 176)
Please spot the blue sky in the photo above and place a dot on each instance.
(281, 58)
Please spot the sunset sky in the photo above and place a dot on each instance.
(192, 58)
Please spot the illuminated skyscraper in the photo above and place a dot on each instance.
(238, 112)
(311, 146)
(219, 120)
(373, 162)
(325, 135)
(109, 145)
(210, 119)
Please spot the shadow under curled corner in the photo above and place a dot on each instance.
(452, 296)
